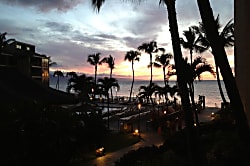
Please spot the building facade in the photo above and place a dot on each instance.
(23, 57)
(242, 50)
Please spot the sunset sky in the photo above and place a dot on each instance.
(69, 30)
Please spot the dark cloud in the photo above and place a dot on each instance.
(46, 5)
(60, 27)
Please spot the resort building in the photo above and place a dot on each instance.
(23, 57)
(242, 50)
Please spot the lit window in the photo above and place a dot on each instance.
(18, 46)
(28, 48)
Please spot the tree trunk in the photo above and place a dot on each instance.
(133, 79)
(111, 92)
(165, 83)
(221, 60)
(219, 84)
(192, 141)
(151, 70)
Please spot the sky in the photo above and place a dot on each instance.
(70, 30)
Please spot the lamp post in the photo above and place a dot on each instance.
(139, 108)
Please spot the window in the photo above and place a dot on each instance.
(28, 48)
(18, 46)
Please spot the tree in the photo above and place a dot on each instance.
(221, 60)
(194, 71)
(111, 64)
(82, 86)
(58, 74)
(149, 48)
(192, 138)
(146, 92)
(227, 37)
(94, 59)
(106, 84)
(163, 61)
(4, 42)
(132, 56)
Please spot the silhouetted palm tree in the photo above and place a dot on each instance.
(163, 61)
(111, 64)
(132, 56)
(4, 42)
(221, 60)
(192, 139)
(192, 42)
(194, 71)
(82, 86)
(146, 92)
(94, 59)
(149, 48)
(106, 84)
(227, 37)
(58, 74)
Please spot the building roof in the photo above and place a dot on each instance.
(16, 87)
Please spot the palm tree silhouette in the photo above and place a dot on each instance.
(132, 56)
(227, 38)
(82, 85)
(146, 92)
(4, 42)
(111, 64)
(163, 61)
(194, 71)
(58, 74)
(94, 59)
(106, 84)
(149, 48)
(192, 42)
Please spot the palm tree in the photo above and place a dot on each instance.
(132, 56)
(106, 84)
(163, 61)
(3, 41)
(81, 85)
(111, 64)
(192, 42)
(227, 37)
(146, 92)
(192, 139)
(194, 71)
(94, 59)
(58, 74)
(149, 48)
(221, 60)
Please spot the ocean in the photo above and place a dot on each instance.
(207, 88)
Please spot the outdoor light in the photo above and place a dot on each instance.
(100, 151)
(139, 106)
(212, 114)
